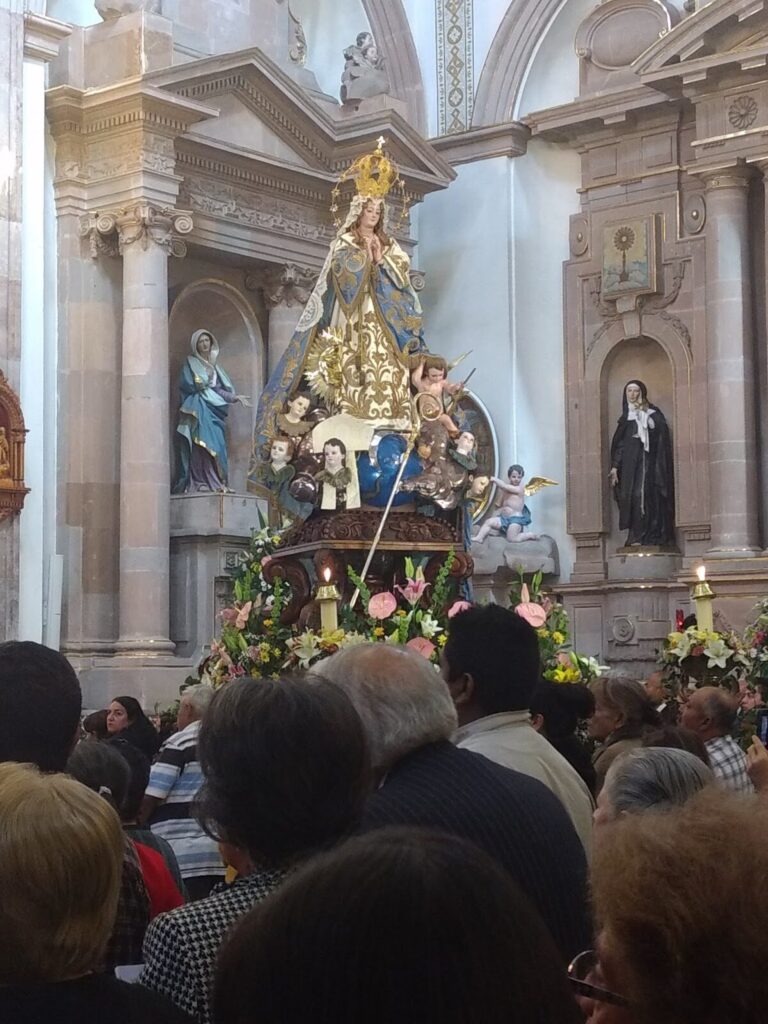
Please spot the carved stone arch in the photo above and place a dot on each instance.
(392, 32)
(225, 311)
(12, 489)
(511, 52)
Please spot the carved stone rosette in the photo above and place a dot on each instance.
(12, 440)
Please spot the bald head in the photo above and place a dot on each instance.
(400, 697)
(710, 712)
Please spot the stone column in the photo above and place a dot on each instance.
(286, 290)
(730, 367)
(146, 239)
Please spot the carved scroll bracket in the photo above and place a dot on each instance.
(287, 285)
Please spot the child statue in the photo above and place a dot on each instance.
(513, 514)
(276, 476)
(335, 476)
(292, 422)
(464, 451)
(430, 378)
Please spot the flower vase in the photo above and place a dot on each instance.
(696, 670)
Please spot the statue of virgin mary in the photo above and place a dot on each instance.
(363, 321)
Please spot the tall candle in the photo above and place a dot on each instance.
(328, 598)
(703, 596)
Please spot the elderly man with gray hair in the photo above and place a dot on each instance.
(650, 779)
(174, 782)
(409, 718)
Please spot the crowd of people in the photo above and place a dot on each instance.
(377, 841)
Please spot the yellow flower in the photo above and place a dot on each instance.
(268, 623)
(401, 612)
(378, 631)
(558, 637)
(264, 657)
(543, 633)
(277, 652)
(442, 640)
(255, 674)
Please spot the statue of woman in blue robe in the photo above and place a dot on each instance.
(207, 393)
(364, 295)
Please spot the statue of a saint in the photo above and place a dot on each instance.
(207, 393)
(354, 341)
(642, 474)
(5, 459)
(364, 71)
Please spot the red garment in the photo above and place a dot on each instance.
(163, 891)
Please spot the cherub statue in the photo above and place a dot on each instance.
(335, 476)
(276, 476)
(513, 515)
(430, 378)
(292, 422)
(464, 451)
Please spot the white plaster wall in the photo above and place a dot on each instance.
(77, 12)
(487, 16)
(330, 27)
(421, 17)
(465, 247)
(544, 197)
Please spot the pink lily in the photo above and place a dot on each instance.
(229, 615)
(533, 613)
(414, 588)
(458, 606)
(242, 616)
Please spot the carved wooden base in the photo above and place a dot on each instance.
(335, 540)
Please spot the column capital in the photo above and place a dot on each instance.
(111, 232)
(732, 176)
(285, 285)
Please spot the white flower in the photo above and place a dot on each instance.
(717, 652)
(352, 640)
(305, 647)
(682, 645)
(430, 626)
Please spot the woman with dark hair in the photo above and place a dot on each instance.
(287, 771)
(679, 738)
(556, 710)
(126, 719)
(623, 714)
(402, 925)
(642, 475)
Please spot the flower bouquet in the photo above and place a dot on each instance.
(756, 644)
(253, 641)
(549, 618)
(704, 658)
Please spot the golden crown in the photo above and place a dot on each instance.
(374, 174)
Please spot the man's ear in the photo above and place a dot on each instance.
(462, 689)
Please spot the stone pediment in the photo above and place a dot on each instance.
(263, 112)
(723, 37)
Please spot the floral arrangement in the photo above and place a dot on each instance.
(550, 620)
(756, 644)
(704, 655)
(253, 642)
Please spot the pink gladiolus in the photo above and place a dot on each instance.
(422, 646)
(458, 606)
(381, 606)
(413, 590)
(533, 614)
(242, 616)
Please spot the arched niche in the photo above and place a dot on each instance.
(219, 308)
(642, 359)
(681, 395)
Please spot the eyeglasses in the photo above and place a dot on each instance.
(579, 969)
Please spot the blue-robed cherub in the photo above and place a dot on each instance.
(377, 475)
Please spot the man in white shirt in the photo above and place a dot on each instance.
(491, 665)
(711, 712)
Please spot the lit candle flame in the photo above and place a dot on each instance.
(701, 572)
(327, 574)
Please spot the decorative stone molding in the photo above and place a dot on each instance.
(43, 36)
(694, 213)
(418, 280)
(742, 112)
(111, 233)
(510, 139)
(110, 10)
(579, 236)
(389, 24)
(623, 629)
(12, 440)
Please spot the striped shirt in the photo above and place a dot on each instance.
(175, 779)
